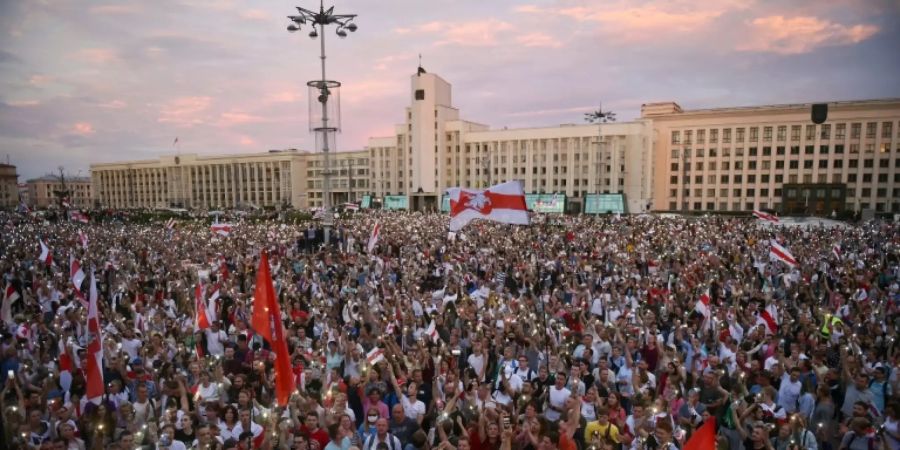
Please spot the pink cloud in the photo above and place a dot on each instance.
(121, 8)
(38, 80)
(95, 55)
(228, 119)
(247, 141)
(626, 22)
(283, 96)
(794, 35)
(185, 111)
(538, 40)
(255, 14)
(476, 33)
(82, 129)
(115, 104)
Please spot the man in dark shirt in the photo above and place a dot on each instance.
(401, 426)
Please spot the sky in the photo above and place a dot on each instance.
(84, 81)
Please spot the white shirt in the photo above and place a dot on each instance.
(557, 400)
(214, 342)
(255, 429)
(476, 362)
(411, 409)
(132, 347)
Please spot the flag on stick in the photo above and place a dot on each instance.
(373, 238)
(266, 321)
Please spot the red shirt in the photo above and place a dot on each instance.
(320, 435)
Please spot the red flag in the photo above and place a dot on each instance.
(94, 371)
(266, 320)
(704, 438)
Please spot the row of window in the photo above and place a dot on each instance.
(823, 131)
(747, 206)
(779, 178)
(838, 149)
(883, 163)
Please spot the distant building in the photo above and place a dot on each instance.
(670, 159)
(275, 179)
(434, 149)
(740, 159)
(42, 191)
(9, 191)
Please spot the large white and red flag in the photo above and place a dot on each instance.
(46, 255)
(373, 238)
(781, 253)
(94, 369)
(765, 216)
(504, 203)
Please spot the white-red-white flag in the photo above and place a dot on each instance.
(94, 369)
(765, 216)
(503, 203)
(373, 238)
(781, 253)
(702, 305)
(837, 251)
(374, 356)
(10, 296)
(82, 237)
(222, 229)
(46, 255)
(431, 331)
(170, 223)
(78, 216)
(768, 318)
(201, 319)
(652, 266)
(65, 366)
(76, 276)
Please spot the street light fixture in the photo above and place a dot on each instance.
(324, 93)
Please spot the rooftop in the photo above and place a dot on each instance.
(672, 109)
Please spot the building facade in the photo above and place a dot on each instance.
(275, 179)
(9, 190)
(670, 159)
(434, 150)
(739, 159)
(42, 191)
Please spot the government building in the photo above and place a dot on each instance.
(670, 159)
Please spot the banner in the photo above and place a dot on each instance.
(394, 202)
(546, 203)
(604, 204)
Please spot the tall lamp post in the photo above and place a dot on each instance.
(324, 117)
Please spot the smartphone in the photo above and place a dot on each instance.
(506, 423)
(455, 352)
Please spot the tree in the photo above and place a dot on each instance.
(599, 116)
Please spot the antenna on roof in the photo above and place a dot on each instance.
(421, 69)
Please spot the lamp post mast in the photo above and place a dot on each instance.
(326, 127)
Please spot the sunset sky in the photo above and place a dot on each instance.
(93, 81)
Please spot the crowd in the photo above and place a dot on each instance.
(618, 333)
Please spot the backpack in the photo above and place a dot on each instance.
(371, 441)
